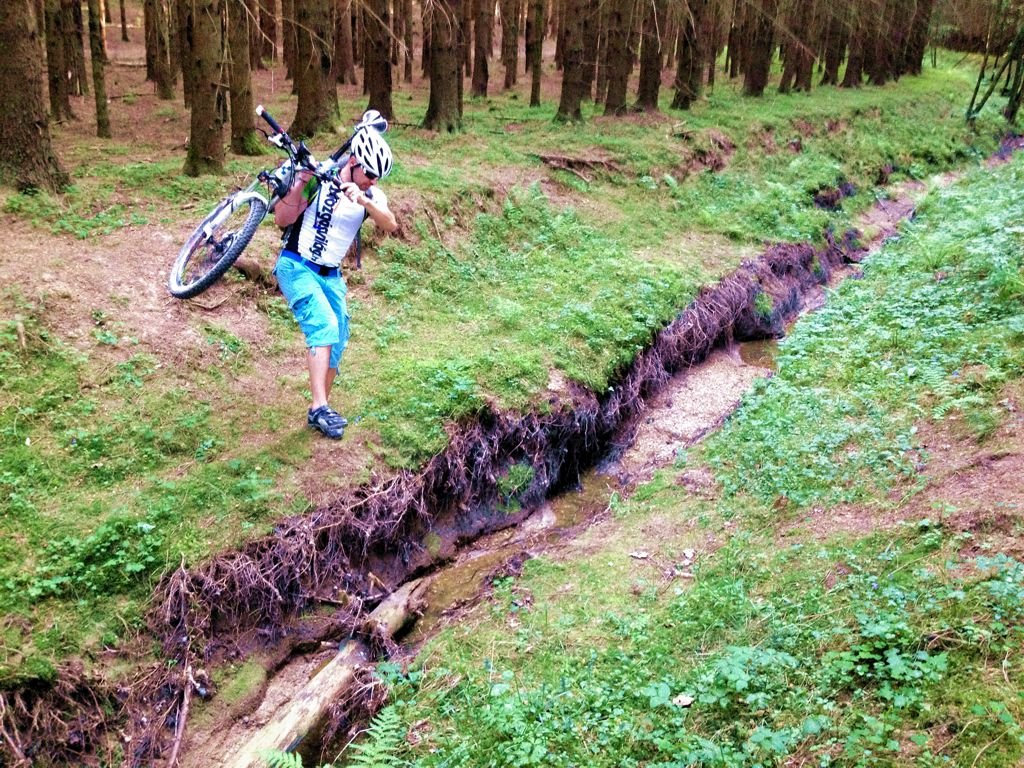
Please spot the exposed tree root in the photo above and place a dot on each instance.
(577, 165)
(352, 553)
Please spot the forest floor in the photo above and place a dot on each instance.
(198, 405)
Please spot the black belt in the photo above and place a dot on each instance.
(320, 269)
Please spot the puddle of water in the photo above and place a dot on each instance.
(462, 580)
(760, 354)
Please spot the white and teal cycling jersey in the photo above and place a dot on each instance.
(329, 225)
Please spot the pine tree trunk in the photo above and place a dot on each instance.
(760, 47)
(855, 60)
(800, 47)
(618, 56)
(466, 38)
(288, 37)
(689, 60)
(206, 142)
(714, 41)
(577, 22)
(397, 31)
(184, 17)
(918, 42)
(425, 13)
(164, 73)
(878, 52)
(482, 46)
(124, 23)
(150, 36)
(834, 43)
(377, 69)
(268, 30)
(99, 81)
(407, 12)
(314, 45)
(650, 56)
(345, 63)
(23, 121)
(596, 73)
(74, 47)
(535, 49)
(737, 33)
(444, 109)
(509, 40)
(56, 63)
(244, 139)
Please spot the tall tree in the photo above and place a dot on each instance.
(206, 142)
(407, 40)
(158, 35)
(444, 108)
(833, 43)
(577, 22)
(801, 31)
(344, 61)
(185, 13)
(650, 56)
(99, 79)
(57, 65)
(482, 45)
(618, 54)
(268, 30)
(124, 23)
(314, 47)
(288, 40)
(244, 139)
(859, 31)
(377, 60)
(74, 46)
(535, 49)
(27, 159)
(690, 53)
(760, 46)
(510, 40)
(918, 40)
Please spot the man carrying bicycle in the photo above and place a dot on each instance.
(323, 219)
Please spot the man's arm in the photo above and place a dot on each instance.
(382, 216)
(291, 206)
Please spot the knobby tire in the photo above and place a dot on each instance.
(202, 261)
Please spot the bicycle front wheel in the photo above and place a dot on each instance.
(214, 246)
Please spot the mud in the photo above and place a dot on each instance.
(351, 553)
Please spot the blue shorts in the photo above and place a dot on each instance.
(318, 304)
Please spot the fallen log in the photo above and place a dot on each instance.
(306, 711)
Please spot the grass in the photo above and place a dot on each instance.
(138, 462)
(887, 649)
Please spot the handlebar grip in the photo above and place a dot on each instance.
(270, 120)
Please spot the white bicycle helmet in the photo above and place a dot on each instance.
(372, 152)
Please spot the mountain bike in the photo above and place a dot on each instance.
(222, 236)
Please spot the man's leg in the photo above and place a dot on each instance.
(320, 376)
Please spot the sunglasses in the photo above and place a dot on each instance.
(370, 176)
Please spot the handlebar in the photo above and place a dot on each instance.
(301, 156)
(270, 120)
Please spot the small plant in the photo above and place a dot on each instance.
(277, 759)
(381, 745)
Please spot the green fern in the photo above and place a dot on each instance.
(277, 759)
(380, 748)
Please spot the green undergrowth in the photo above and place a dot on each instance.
(486, 321)
(106, 481)
(692, 630)
(934, 331)
(118, 464)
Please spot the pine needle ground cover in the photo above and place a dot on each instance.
(121, 460)
(891, 639)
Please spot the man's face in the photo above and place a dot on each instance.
(362, 179)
